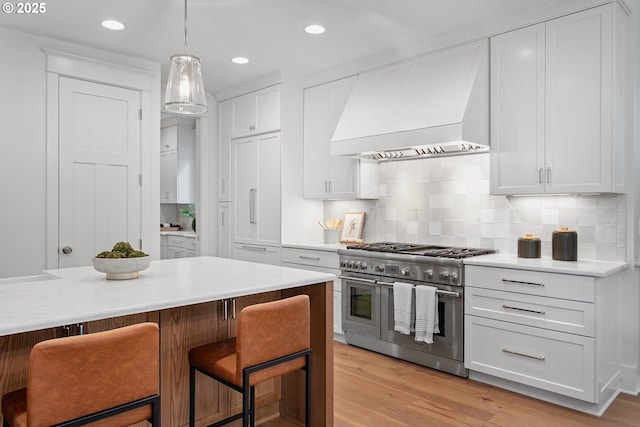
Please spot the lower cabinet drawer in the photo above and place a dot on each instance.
(254, 253)
(553, 361)
(310, 257)
(190, 244)
(574, 317)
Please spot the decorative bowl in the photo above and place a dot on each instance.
(121, 268)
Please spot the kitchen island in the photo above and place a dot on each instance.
(194, 301)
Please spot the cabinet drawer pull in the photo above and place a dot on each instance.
(540, 173)
(515, 353)
(518, 282)
(312, 258)
(548, 175)
(523, 309)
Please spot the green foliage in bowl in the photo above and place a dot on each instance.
(121, 250)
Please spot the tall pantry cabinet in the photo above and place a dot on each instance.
(557, 105)
(249, 192)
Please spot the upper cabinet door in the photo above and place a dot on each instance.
(255, 113)
(517, 111)
(326, 176)
(579, 95)
(556, 88)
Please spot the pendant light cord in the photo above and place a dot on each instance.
(185, 26)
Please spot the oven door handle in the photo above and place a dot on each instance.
(359, 279)
(377, 282)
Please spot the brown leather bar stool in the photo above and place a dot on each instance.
(273, 340)
(107, 378)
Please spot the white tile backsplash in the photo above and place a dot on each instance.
(446, 201)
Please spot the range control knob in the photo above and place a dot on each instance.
(344, 264)
(428, 274)
(363, 266)
(444, 276)
(404, 271)
(453, 278)
(380, 268)
(352, 264)
(356, 265)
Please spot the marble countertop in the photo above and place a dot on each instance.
(190, 234)
(328, 247)
(545, 264)
(74, 295)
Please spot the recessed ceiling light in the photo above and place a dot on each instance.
(240, 60)
(110, 24)
(314, 29)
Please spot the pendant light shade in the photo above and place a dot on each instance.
(185, 90)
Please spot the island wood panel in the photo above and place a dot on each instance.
(292, 403)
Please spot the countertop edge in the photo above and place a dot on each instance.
(592, 268)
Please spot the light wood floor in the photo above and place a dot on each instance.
(372, 390)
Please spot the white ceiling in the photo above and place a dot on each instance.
(268, 32)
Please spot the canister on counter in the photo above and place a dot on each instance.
(529, 246)
(564, 245)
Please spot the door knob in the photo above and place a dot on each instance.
(67, 250)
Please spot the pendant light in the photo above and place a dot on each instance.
(185, 91)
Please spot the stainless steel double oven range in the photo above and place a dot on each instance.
(368, 272)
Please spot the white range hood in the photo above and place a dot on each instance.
(433, 105)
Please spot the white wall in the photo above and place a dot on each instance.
(24, 155)
(23, 159)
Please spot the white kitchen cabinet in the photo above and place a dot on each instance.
(256, 253)
(224, 228)
(324, 261)
(177, 163)
(556, 105)
(256, 190)
(548, 335)
(255, 113)
(176, 246)
(224, 151)
(326, 176)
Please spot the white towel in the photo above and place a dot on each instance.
(403, 307)
(426, 314)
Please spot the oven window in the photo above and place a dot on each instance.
(360, 302)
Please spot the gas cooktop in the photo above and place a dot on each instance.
(421, 249)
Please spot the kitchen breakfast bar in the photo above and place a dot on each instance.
(194, 301)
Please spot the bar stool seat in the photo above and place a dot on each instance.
(273, 340)
(107, 379)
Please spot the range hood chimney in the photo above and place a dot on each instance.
(433, 105)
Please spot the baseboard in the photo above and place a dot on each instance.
(629, 383)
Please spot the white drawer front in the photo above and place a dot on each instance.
(567, 286)
(190, 244)
(549, 313)
(311, 257)
(175, 241)
(553, 361)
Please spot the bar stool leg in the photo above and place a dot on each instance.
(252, 412)
(307, 403)
(192, 396)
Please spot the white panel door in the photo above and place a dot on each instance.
(245, 172)
(517, 111)
(99, 167)
(579, 93)
(267, 209)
